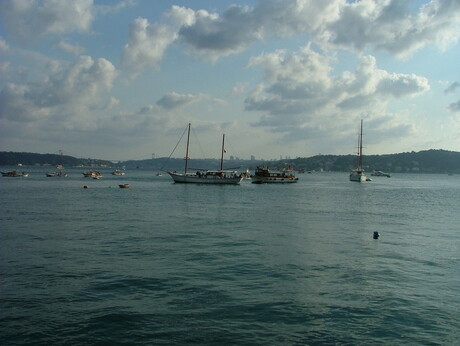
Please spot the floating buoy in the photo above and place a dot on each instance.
(376, 235)
(85, 186)
(124, 186)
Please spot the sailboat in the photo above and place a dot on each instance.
(220, 176)
(357, 174)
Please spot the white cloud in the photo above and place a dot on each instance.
(300, 93)
(391, 26)
(27, 20)
(174, 100)
(212, 36)
(146, 45)
(63, 92)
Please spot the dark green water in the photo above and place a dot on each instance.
(161, 263)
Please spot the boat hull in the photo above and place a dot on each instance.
(358, 177)
(273, 180)
(204, 179)
(14, 174)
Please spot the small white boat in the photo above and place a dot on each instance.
(358, 174)
(118, 172)
(380, 174)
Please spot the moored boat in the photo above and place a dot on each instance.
(263, 175)
(380, 174)
(92, 174)
(357, 174)
(118, 172)
(204, 176)
(15, 174)
(57, 174)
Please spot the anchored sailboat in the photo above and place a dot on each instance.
(357, 174)
(220, 176)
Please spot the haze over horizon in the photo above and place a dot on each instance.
(120, 80)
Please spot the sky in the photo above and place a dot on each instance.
(121, 80)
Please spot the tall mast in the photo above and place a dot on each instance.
(357, 156)
(186, 151)
(222, 153)
(360, 163)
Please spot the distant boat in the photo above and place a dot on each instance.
(380, 174)
(204, 176)
(123, 186)
(118, 172)
(92, 174)
(57, 174)
(15, 174)
(263, 175)
(357, 174)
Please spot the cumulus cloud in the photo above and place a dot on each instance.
(300, 90)
(27, 20)
(394, 26)
(65, 86)
(174, 100)
(212, 36)
(146, 45)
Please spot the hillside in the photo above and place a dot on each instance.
(428, 161)
(9, 158)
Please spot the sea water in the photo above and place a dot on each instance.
(165, 263)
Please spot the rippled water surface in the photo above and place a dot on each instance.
(251, 264)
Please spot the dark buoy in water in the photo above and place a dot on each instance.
(85, 186)
(376, 235)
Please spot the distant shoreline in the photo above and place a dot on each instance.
(427, 161)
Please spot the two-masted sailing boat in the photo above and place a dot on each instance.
(201, 176)
(357, 174)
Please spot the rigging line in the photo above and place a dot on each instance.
(169, 157)
(198, 142)
(229, 144)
